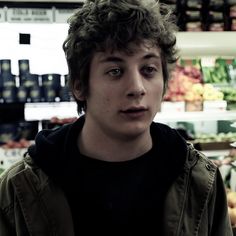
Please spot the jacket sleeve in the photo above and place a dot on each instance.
(218, 209)
(7, 203)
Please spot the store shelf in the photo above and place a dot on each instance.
(45, 111)
(195, 116)
(216, 153)
(41, 111)
(233, 144)
(200, 44)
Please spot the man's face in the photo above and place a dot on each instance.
(125, 91)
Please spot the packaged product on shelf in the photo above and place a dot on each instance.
(36, 94)
(29, 80)
(193, 15)
(232, 12)
(194, 26)
(49, 93)
(22, 94)
(51, 84)
(216, 26)
(24, 70)
(53, 80)
(9, 94)
(5, 66)
(194, 4)
(7, 80)
(216, 16)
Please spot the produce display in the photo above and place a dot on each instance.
(217, 74)
(203, 92)
(220, 137)
(220, 141)
(231, 199)
(229, 94)
(182, 79)
(193, 83)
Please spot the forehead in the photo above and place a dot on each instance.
(132, 50)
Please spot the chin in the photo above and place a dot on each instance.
(135, 130)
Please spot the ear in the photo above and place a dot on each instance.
(77, 92)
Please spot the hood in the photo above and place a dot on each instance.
(53, 146)
(170, 144)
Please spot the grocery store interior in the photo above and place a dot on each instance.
(200, 100)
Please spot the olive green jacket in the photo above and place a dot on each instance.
(31, 204)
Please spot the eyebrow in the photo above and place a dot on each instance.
(152, 55)
(119, 59)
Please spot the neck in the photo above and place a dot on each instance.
(113, 149)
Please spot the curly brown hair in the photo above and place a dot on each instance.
(114, 24)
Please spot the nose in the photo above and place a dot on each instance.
(135, 86)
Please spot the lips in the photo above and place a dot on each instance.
(134, 112)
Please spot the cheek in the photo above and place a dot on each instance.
(158, 90)
(105, 100)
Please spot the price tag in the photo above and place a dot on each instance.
(29, 15)
(173, 106)
(2, 15)
(62, 15)
(214, 105)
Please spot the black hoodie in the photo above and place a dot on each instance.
(112, 193)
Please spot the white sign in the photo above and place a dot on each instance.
(9, 156)
(215, 105)
(2, 15)
(62, 15)
(29, 15)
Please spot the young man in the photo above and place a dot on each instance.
(114, 171)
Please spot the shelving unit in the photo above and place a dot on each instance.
(207, 44)
(41, 111)
(45, 111)
(195, 116)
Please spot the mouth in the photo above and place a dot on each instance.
(134, 112)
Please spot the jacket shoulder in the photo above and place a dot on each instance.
(6, 188)
(198, 159)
